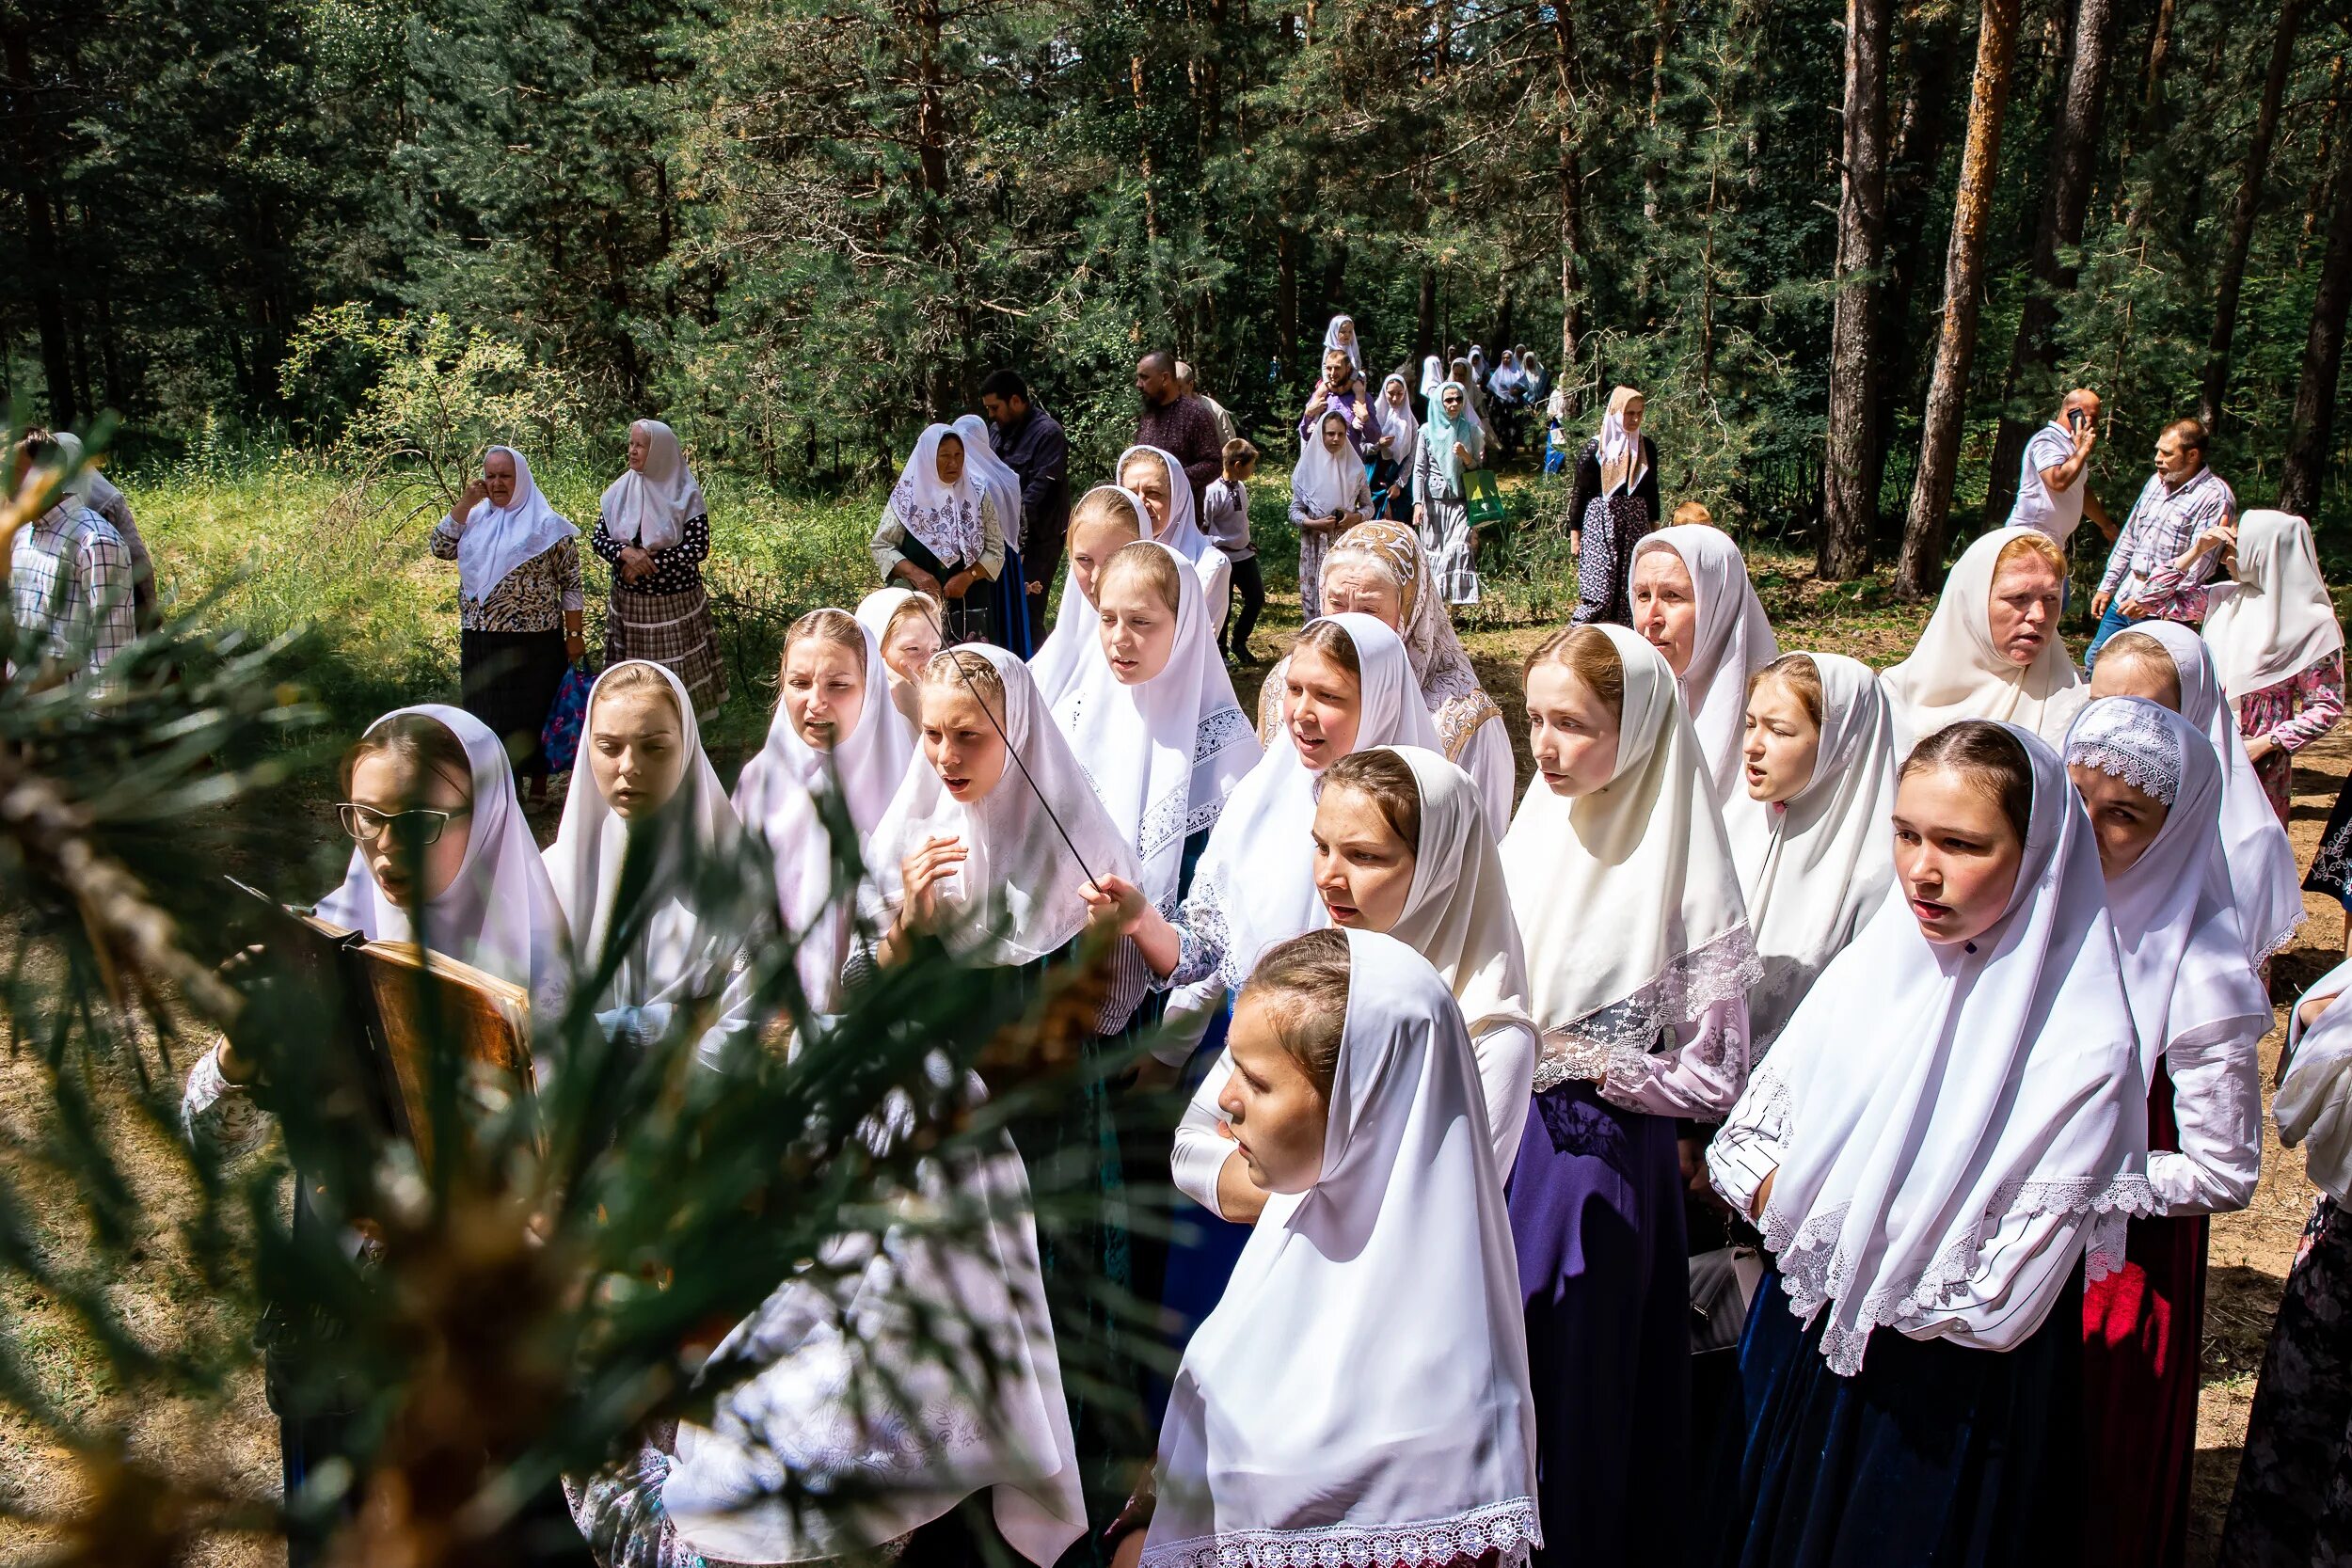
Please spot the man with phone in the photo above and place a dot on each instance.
(2053, 485)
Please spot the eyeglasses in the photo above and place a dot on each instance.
(366, 825)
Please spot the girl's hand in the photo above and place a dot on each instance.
(1421, 515)
(2310, 1007)
(939, 857)
(1117, 903)
(2259, 747)
(1461, 452)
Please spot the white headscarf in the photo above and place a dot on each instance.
(1432, 375)
(1261, 857)
(777, 796)
(2184, 964)
(1623, 458)
(1457, 915)
(1326, 483)
(2314, 1099)
(904, 1377)
(1941, 1099)
(2276, 619)
(1361, 1394)
(500, 912)
(1397, 424)
(2252, 846)
(1163, 756)
(1182, 534)
(1004, 485)
(944, 518)
(651, 506)
(1956, 673)
(498, 539)
(1063, 655)
(1733, 641)
(1016, 897)
(1815, 867)
(875, 612)
(1627, 899)
(1353, 348)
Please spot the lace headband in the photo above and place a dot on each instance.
(2124, 742)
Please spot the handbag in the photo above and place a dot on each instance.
(1481, 498)
(559, 737)
(1722, 1283)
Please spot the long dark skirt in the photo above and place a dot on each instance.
(2140, 1333)
(2292, 1505)
(1009, 606)
(509, 679)
(2331, 867)
(1933, 1456)
(1596, 1213)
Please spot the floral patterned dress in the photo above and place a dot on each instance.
(2295, 712)
(2294, 1499)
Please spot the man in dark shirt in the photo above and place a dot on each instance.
(1181, 426)
(1032, 444)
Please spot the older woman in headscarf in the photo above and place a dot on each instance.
(655, 532)
(1329, 496)
(1612, 503)
(1008, 606)
(1452, 443)
(941, 535)
(520, 603)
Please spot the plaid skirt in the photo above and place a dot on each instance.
(671, 629)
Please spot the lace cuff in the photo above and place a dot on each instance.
(1509, 1529)
(1624, 1032)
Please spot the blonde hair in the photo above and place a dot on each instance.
(1586, 653)
(2032, 544)
(1693, 512)
(962, 670)
(1107, 505)
(636, 675)
(1154, 564)
(1797, 674)
(836, 627)
(2142, 651)
(915, 603)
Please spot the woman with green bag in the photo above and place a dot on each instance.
(1615, 502)
(1452, 447)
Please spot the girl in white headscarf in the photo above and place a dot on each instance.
(1340, 337)
(1399, 443)
(1106, 521)
(2153, 789)
(2278, 645)
(834, 738)
(1008, 606)
(519, 602)
(1808, 827)
(1692, 600)
(1360, 1393)
(941, 535)
(1432, 377)
(2166, 662)
(1155, 478)
(1614, 502)
(1992, 649)
(1638, 960)
(905, 626)
(644, 780)
(1153, 716)
(1329, 495)
(1912, 1364)
(654, 531)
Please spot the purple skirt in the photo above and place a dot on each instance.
(1597, 1213)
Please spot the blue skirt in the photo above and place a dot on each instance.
(1933, 1456)
(1596, 1213)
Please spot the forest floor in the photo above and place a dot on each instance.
(392, 625)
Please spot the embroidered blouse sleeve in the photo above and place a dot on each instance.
(2217, 1106)
(992, 561)
(1750, 1144)
(885, 548)
(2319, 691)
(1700, 1078)
(1201, 936)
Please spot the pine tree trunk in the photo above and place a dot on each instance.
(1850, 488)
(2075, 154)
(2323, 352)
(1569, 183)
(1424, 325)
(1286, 292)
(40, 233)
(1920, 568)
(2241, 237)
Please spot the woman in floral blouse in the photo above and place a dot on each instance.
(519, 603)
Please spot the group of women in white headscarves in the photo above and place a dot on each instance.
(1946, 982)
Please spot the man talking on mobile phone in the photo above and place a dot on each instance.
(2054, 482)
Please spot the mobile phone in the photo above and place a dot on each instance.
(2077, 417)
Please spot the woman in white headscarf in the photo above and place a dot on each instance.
(1397, 445)
(520, 603)
(1155, 479)
(2170, 664)
(1452, 444)
(1329, 495)
(2278, 645)
(654, 531)
(96, 491)
(1691, 600)
(905, 625)
(1340, 338)
(1432, 379)
(2152, 788)
(1992, 649)
(1639, 961)
(1612, 503)
(1809, 825)
(1153, 716)
(1914, 1362)
(835, 735)
(1009, 606)
(941, 535)
(1360, 1393)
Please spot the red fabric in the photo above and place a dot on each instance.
(2140, 1333)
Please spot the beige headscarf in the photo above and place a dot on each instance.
(1622, 464)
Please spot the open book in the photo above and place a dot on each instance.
(390, 1005)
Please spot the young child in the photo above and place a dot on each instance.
(1225, 510)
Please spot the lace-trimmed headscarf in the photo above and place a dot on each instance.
(1278, 1450)
(1449, 684)
(1627, 899)
(1969, 1168)
(944, 518)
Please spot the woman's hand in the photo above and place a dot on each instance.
(916, 579)
(2259, 747)
(939, 857)
(1461, 455)
(1117, 903)
(1421, 515)
(1350, 520)
(635, 563)
(2310, 1007)
(957, 586)
(473, 495)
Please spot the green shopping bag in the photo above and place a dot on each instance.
(1481, 498)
